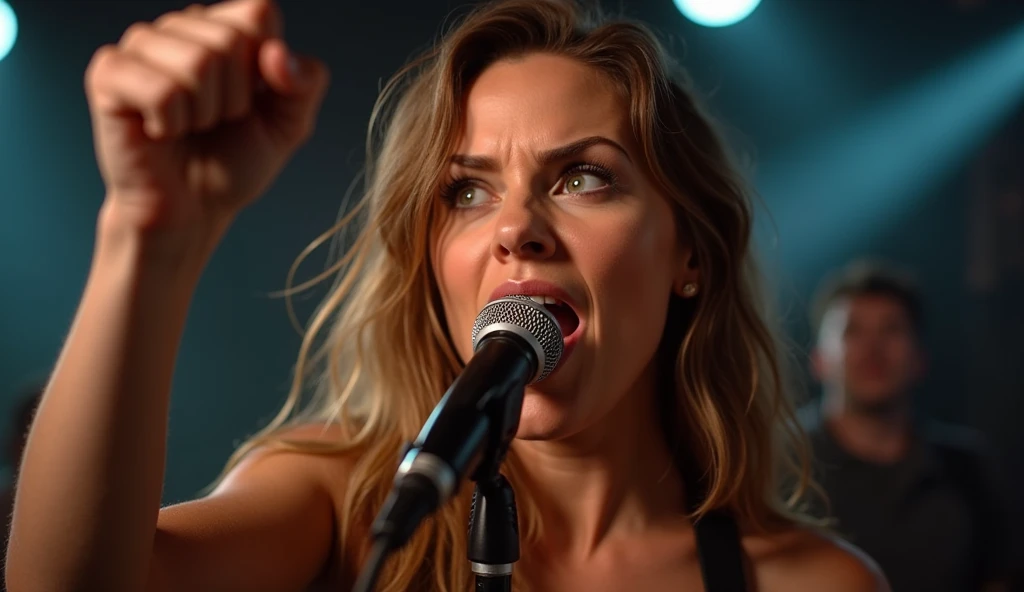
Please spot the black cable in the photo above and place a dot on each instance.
(371, 570)
(412, 498)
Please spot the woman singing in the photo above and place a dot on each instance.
(534, 150)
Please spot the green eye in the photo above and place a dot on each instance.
(582, 183)
(468, 196)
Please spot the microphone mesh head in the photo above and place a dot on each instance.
(528, 319)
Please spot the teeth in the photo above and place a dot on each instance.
(545, 300)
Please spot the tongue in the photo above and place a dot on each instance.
(566, 317)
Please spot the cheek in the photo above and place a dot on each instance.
(630, 259)
(848, 350)
(835, 354)
(855, 346)
(903, 354)
(460, 260)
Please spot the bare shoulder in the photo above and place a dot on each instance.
(286, 473)
(270, 524)
(299, 452)
(801, 559)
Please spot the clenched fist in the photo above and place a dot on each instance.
(196, 113)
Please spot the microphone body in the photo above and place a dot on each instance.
(465, 420)
(516, 341)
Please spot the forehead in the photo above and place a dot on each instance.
(876, 306)
(541, 100)
(864, 308)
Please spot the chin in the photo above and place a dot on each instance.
(876, 399)
(544, 417)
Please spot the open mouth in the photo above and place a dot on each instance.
(568, 320)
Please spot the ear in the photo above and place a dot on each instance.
(686, 283)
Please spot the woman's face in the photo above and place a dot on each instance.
(548, 197)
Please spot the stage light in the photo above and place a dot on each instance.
(843, 186)
(716, 13)
(8, 28)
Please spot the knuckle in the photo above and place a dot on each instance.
(167, 19)
(231, 41)
(135, 33)
(98, 66)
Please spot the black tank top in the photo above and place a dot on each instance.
(718, 542)
(720, 553)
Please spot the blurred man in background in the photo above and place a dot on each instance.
(918, 497)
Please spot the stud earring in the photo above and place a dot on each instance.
(689, 290)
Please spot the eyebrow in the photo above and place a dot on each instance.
(486, 163)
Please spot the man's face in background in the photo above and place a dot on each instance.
(868, 349)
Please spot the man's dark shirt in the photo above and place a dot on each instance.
(932, 520)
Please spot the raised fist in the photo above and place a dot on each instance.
(195, 114)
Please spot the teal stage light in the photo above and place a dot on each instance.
(716, 13)
(8, 29)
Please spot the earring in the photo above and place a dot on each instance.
(689, 290)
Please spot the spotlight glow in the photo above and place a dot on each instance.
(716, 13)
(8, 29)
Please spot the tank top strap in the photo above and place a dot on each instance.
(718, 540)
(720, 553)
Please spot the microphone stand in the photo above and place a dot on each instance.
(516, 341)
(493, 520)
(493, 535)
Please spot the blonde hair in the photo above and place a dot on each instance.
(378, 348)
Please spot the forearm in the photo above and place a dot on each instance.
(90, 484)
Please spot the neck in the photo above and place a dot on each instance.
(880, 434)
(613, 479)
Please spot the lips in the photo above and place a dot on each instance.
(568, 320)
(559, 301)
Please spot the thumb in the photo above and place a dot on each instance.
(287, 73)
(296, 84)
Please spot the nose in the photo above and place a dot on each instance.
(523, 231)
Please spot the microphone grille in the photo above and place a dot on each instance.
(529, 320)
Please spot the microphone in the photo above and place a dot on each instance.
(516, 341)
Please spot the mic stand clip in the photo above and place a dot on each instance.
(493, 519)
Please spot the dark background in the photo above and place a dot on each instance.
(881, 128)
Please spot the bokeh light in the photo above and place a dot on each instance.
(716, 13)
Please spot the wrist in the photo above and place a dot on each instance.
(178, 252)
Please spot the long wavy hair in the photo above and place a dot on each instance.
(377, 355)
